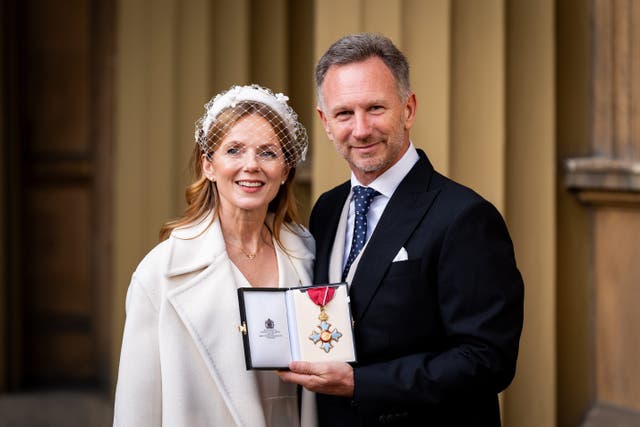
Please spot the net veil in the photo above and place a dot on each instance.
(266, 126)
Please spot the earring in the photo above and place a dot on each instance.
(282, 183)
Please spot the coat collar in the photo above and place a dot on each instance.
(197, 246)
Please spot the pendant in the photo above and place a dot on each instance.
(324, 334)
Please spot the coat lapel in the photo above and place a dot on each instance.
(207, 305)
(295, 259)
(405, 210)
(208, 308)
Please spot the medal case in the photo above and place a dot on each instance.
(311, 323)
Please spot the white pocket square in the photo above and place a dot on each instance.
(402, 255)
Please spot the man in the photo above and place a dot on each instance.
(436, 297)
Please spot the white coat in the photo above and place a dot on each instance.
(182, 359)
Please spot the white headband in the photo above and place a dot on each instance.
(253, 93)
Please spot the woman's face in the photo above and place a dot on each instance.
(248, 165)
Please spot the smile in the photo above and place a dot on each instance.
(251, 184)
(365, 148)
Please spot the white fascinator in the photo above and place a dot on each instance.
(226, 108)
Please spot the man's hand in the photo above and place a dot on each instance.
(323, 377)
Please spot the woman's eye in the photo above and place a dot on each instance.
(233, 151)
(268, 154)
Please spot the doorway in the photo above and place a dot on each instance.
(58, 130)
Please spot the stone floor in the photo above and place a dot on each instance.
(52, 409)
(610, 416)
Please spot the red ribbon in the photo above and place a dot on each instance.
(321, 296)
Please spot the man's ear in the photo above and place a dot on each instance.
(410, 107)
(207, 168)
(325, 124)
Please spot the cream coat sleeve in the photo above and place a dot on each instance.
(138, 400)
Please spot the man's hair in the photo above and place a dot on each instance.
(360, 47)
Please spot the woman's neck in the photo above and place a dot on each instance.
(244, 229)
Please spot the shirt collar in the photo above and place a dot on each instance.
(387, 183)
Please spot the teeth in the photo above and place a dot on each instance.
(250, 184)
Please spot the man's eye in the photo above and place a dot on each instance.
(343, 115)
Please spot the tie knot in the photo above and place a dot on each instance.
(363, 197)
(364, 192)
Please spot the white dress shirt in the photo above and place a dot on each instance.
(386, 185)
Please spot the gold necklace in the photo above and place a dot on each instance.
(249, 255)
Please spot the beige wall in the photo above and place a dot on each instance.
(530, 170)
(145, 128)
(483, 73)
(477, 90)
(575, 340)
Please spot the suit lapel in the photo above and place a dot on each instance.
(325, 232)
(408, 205)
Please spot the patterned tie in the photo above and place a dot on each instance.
(362, 197)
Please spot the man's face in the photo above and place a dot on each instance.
(365, 117)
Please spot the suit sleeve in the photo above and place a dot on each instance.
(480, 299)
(138, 392)
(315, 217)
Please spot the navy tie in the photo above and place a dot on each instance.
(362, 197)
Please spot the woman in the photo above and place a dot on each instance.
(182, 361)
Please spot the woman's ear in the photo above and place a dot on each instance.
(285, 174)
(207, 168)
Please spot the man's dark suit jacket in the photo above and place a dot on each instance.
(436, 335)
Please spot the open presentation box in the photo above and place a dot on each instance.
(280, 325)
